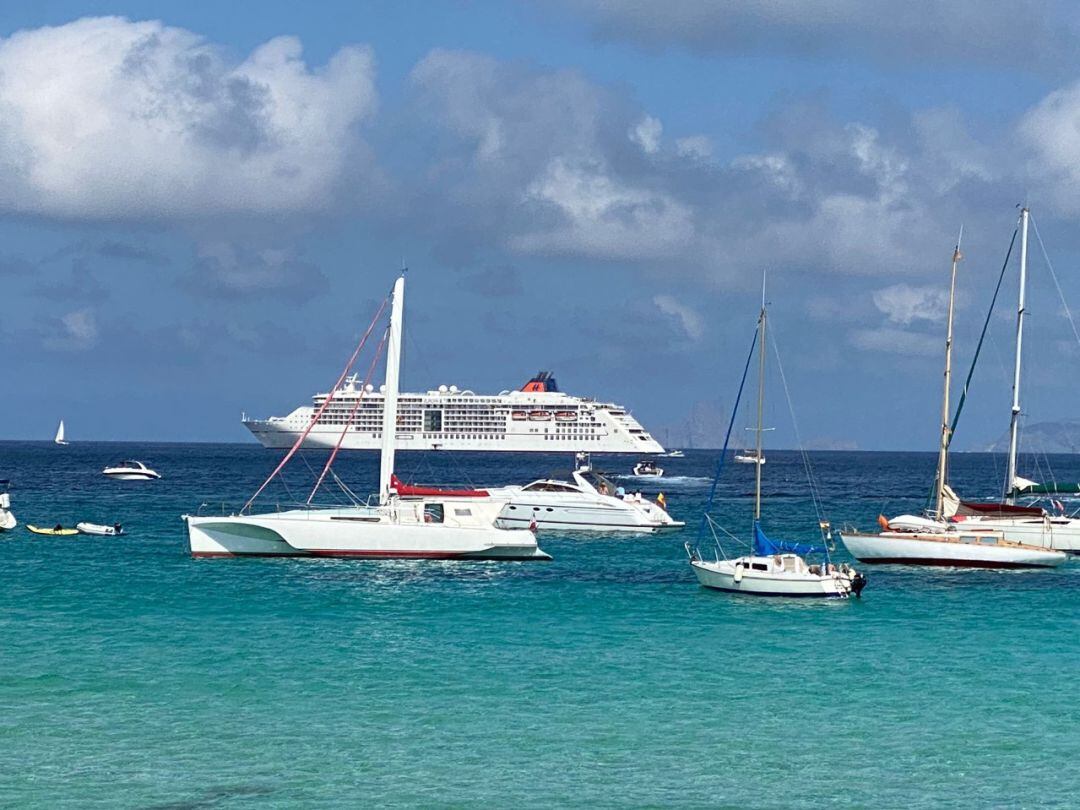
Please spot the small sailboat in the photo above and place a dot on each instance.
(7, 519)
(773, 567)
(60, 434)
(933, 539)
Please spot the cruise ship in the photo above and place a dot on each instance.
(537, 418)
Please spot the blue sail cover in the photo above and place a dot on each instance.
(764, 547)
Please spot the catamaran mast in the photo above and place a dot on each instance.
(943, 451)
(1014, 421)
(760, 404)
(393, 368)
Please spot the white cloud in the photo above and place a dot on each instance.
(904, 304)
(694, 146)
(688, 318)
(602, 217)
(646, 133)
(109, 118)
(75, 331)
(897, 341)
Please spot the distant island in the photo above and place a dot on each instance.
(1043, 437)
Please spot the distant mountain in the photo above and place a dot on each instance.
(1043, 437)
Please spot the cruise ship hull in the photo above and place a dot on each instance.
(282, 437)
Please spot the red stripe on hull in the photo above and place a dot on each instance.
(947, 563)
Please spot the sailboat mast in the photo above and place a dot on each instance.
(390, 399)
(1014, 421)
(760, 404)
(943, 450)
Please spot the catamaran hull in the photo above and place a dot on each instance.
(722, 576)
(306, 535)
(882, 549)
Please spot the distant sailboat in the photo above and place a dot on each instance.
(60, 433)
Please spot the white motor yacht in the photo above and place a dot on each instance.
(7, 519)
(130, 470)
(422, 528)
(588, 502)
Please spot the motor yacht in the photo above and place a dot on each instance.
(130, 470)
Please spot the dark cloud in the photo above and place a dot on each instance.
(242, 272)
(1029, 34)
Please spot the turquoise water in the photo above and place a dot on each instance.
(132, 675)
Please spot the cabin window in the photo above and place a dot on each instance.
(463, 512)
(433, 513)
(759, 566)
(433, 421)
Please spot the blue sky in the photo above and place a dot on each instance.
(201, 204)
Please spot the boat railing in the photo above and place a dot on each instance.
(226, 509)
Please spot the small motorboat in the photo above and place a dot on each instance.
(130, 470)
(675, 454)
(95, 528)
(7, 519)
(647, 468)
(55, 531)
(749, 457)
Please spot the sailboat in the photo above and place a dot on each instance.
(1021, 523)
(773, 567)
(60, 433)
(933, 539)
(420, 528)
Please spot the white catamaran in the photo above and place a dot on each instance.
(422, 528)
(932, 539)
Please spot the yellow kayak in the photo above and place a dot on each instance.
(55, 532)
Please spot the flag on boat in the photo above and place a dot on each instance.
(661, 500)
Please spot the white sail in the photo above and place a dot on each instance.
(60, 433)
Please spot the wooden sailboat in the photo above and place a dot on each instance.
(1025, 524)
(773, 567)
(932, 539)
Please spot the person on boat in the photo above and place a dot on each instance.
(603, 489)
(620, 492)
(58, 527)
(118, 528)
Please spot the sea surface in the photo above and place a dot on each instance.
(134, 676)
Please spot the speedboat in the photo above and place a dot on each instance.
(99, 529)
(749, 457)
(427, 527)
(130, 470)
(647, 467)
(7, 519)
(674, 454)
(588, 502)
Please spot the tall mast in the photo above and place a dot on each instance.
(760, 402)
(943, 450)
(390, 399)
(1014, 421)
